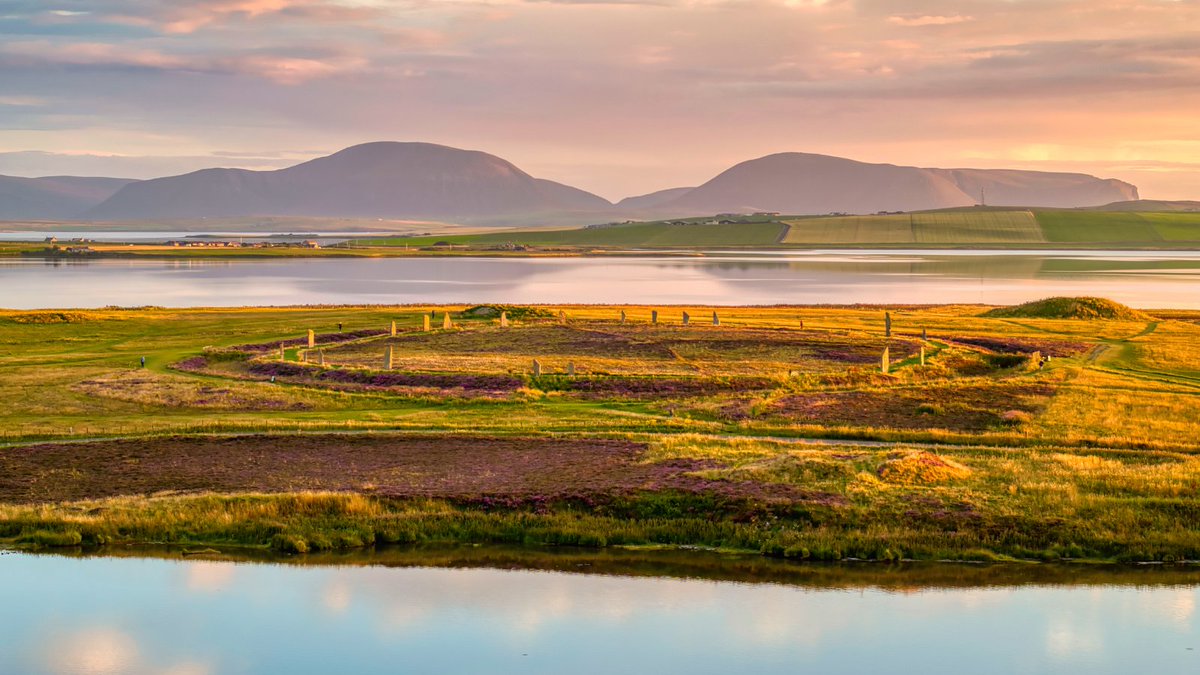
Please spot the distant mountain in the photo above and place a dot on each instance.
(422, 181)
(801, 183)
(385, 180)
(55, 197)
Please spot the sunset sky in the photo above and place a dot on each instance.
(614, 97)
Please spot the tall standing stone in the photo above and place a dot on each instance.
(537, 368)
(922, 354)
(716, 320)
(393, 331)
(504, 319)
(446, 323)
(562, 316)
(654, 316)
(622, 316)
(425, 322)
(801, 324)
(887, 324)
(885, 362)
(686, 318)
(282, 357)
(389, 359)
(312, 339)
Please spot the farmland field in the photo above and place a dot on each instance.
(661, 235)
(943, 227)
(986, 227)
(1119, 227)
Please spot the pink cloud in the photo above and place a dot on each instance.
(928, 20)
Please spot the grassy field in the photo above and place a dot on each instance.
(981, 227)
(774, 431)
(950, 227)
(988, 227)
(1118, 227)
(657, 235)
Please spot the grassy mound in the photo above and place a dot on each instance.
(920, 468)
(48, 317)
(514, 312)
(1070, 308)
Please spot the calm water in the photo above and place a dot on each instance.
(1160, 280)
(98, 615)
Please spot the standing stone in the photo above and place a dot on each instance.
(887, 324)
(504, 319)
(922, 354)
(389, 359)
(622, 316)
(924, 333)
(446, 323)
(1035, 361)
(885, 362)
(654, 316)
(312, 339)
(686, 318)
(801, 324)
(716, 321)
(393, 329)
(537, 368)
(425, 322)
(571, 369)
(562, 316)
(321, 357)
(282, 357)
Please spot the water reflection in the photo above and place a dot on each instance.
(1160, 279)
(454, 613)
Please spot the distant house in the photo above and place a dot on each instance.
(769, 214)
(312, 243)
(51, 240)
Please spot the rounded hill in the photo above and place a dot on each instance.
(1070, 308)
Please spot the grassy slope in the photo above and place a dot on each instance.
(993, 227)
(951, 227)
(639, 234)
(980, 227)
(1109, 467)
(1120, 227)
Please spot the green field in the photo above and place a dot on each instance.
(944, 227)
(990, 227)
(750, 435)
(1118, 227)
(981, 227)
(657, 235)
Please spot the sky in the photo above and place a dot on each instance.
(617, 97)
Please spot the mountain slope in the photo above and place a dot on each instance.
(802, 183)
(654, 199)
(1008, 187)
(54, 197)
(392, 180)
